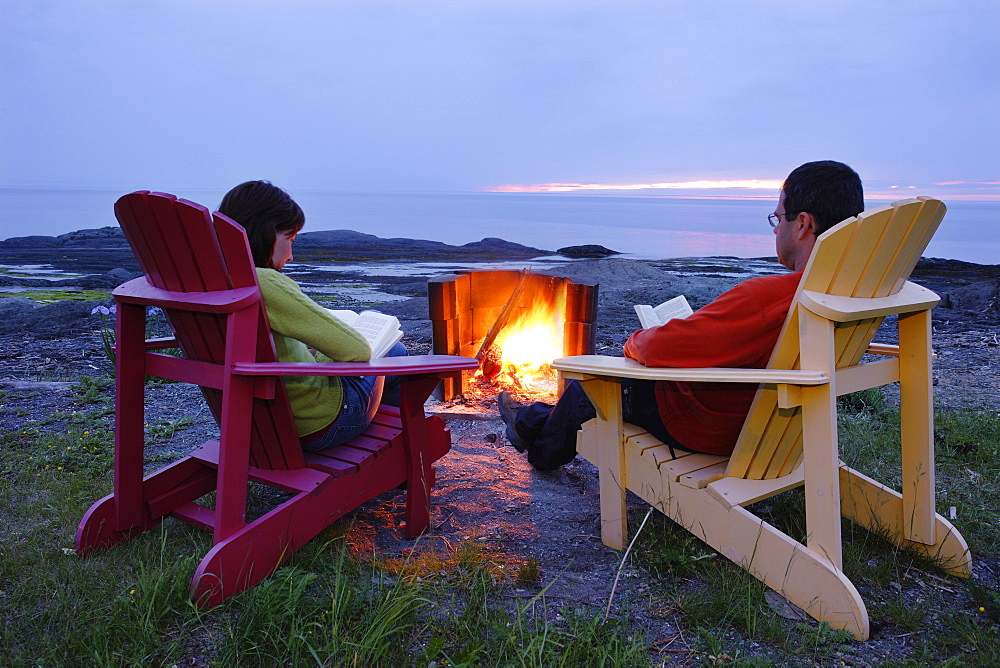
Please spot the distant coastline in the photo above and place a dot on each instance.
(641, 227)
(96, 251)
(104, 249)
(336, 264)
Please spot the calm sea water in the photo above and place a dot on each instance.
(643, 227)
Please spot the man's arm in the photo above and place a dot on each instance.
(738, 329)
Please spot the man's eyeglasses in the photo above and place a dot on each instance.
(775, 218)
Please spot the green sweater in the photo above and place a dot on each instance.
(299, 324)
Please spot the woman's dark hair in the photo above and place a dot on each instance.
(829, 190)
(263, 210)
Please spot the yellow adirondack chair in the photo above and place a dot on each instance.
(855, 277)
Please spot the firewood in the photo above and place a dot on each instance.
(505, 314)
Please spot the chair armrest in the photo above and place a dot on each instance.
(624, 367)
(911, 297)
(139, 291)
(385, 366)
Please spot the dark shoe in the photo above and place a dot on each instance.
(508, 413)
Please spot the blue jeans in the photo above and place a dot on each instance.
(362, 396)
(549, 432)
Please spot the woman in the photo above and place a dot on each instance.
(328, 410)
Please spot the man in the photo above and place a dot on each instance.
(737, 330)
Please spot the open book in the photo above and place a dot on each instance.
(654, 316)
(380, 330)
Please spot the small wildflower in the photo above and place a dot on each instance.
(982, 609)
(58, 468)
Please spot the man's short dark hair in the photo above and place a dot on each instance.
(829, 190)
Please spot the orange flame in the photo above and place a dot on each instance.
(522, 354)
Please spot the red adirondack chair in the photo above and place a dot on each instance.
(198, 269)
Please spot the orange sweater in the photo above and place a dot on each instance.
(737, 330)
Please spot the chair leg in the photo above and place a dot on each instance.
(96, 531)
(883, 510)
(417, 435)
(159, 494)
(807, 579)
(819, 433)
(247, 556)
(606, 395)
(916, 411)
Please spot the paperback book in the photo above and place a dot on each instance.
(654, 316)
(382, 331)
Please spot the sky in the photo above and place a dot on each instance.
(500, 95)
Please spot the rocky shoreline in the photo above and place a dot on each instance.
(60, 340)
(99, 259)
(96, 251)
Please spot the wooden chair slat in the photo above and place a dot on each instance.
(207, 266)
(178, 268)
(931, 214)
(880, 281)
(130, 210)
(236, 251)
(857, 260)
(822, 269)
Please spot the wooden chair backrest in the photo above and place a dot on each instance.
(182, 247)
(871, 255)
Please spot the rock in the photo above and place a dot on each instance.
(587, 251)
(52, 320)
(102, 234)
(495, 246)
(107, 280)
(14, 310)
(121, 275)
(348, 246)
(981, 298)
(611, 271)
(33, 241)
(37, 385)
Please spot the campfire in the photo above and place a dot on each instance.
(515, 323)
(519, 358)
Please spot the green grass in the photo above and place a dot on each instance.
(130, 605)
(52, 296)
(906, 593)
(330, 606)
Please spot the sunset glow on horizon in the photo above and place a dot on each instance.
(703, 184)
(972, 191)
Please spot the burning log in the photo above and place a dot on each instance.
(490, 363)
(504, 317)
